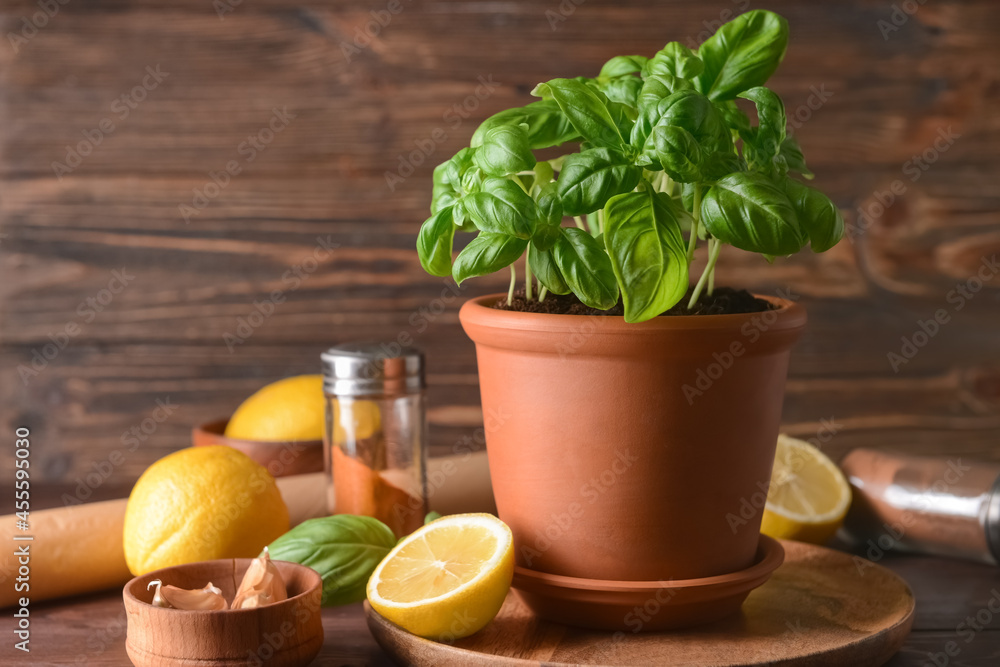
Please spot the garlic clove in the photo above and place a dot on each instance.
(262, 584)
(208, 598)
(158, 600)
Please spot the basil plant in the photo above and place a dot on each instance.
(667, 160)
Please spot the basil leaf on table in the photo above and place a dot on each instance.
(742, 54)
(817, 214)
(749, 211)
(486, 254)
(502, 208)
(435, 241)
(505, 150)
(585, 109)
(590, 178)
(344, 549)
(647, 251)
(586, 268)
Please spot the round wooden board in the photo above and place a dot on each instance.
(821, 607)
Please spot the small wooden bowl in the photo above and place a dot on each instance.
(283, 634)
(282, 459)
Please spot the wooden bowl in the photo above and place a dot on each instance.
(285, 633)
(281, 458)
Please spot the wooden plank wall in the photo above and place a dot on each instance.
(868, 97)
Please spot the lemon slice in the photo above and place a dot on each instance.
(448, 579)
(808, 497)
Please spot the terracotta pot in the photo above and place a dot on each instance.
(630, 452)
(282, 459)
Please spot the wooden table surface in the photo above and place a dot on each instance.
(91, 630)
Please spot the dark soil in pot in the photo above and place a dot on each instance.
(722, 301)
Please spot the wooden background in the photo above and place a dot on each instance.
(357, 114)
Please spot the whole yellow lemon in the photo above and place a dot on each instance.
(201, 503)
(289, 409)
(295, 409)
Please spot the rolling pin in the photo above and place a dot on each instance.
(79, 549)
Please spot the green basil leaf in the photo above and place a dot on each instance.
(505, 150)
(443, 194)
(544, 174)
(485, 254)
(461, 218)
(654, 89)
(550, 208)
(590, 178)
(344, 549)
(719, 164)
(770, 131)
(502, 208)
(623, 116)
(543, 265)
(643, 236)
(622, 65)
(457, 168)
(623, 90)
(434, 243)
(734, 118)
(472, 180)
(817, 214)
(695, 113)
(550, 215)
(749, 211)
(586, 268)
(547, 124)
(791, 152)
(698, 131)
(743, 53)
(675, 60)
(677, 152)
(586, 111)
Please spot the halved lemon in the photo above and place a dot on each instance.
(448, 579)
(809, 495)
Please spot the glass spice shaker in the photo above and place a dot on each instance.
(376, 433)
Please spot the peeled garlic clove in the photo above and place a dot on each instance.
(262, 584)
(158, 600)
(208, 598)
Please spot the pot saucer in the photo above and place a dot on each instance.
(637, 606)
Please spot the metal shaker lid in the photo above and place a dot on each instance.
(371, 369)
